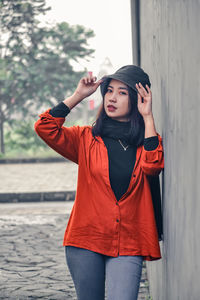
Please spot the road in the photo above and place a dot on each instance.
(32, 258)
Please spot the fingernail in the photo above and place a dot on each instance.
(90, 73)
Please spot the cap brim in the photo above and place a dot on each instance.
(117, 77)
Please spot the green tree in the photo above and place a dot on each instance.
(35, 61)
(17, 18)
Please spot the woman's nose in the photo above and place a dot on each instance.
(113, 97)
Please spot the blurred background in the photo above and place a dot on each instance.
(46, 46)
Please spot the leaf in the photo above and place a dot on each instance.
(36, 61)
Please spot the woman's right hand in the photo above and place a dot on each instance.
(87, 86)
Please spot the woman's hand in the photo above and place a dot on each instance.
(87, 86)
(145, 107)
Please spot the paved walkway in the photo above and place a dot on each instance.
(32, 259)
(39, 177)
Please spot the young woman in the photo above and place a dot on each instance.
(112, 226)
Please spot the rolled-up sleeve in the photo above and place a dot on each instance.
(152, 161)
(64, 140)
(151, 143)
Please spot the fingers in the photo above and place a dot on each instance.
(89, 78)
(139, 99)
(142, 91)
(148, 89)
(97, 84)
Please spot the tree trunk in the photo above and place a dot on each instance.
(2, 148)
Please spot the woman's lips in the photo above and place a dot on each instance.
(111, 108)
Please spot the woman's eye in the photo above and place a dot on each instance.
(120, 92)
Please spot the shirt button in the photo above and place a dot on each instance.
(117, 220)
(117, 203)
(134, 175)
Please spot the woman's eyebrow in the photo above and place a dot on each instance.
(120, 87)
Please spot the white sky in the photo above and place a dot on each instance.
(109, 19)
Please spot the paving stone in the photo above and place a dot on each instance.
(32, 259)
(38, 177)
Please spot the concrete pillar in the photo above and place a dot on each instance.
(135, 29)
(170, 47)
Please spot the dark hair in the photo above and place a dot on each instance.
(137, 123)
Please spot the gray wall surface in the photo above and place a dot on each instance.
(170, 54)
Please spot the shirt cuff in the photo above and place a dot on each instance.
(60, 111)
(151, 143)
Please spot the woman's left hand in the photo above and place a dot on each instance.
(145, 107)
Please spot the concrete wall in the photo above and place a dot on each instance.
(170, 53)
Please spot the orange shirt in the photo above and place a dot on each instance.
(99, 222)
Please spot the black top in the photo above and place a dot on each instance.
(121, 162)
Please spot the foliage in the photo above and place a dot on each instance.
(36, 61)
(17, 23)
(22, 137)
(21, 140)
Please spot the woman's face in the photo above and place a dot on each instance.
(116, 101)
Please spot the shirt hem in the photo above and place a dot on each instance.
(146, 256)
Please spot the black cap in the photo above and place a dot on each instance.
(130, 75)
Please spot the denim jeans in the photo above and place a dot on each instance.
(93, 272)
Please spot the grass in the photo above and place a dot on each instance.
(19, 154)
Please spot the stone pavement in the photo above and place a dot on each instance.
(38, 177)
(32, 259)
(37, 181)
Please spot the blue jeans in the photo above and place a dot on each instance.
(92, 272)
